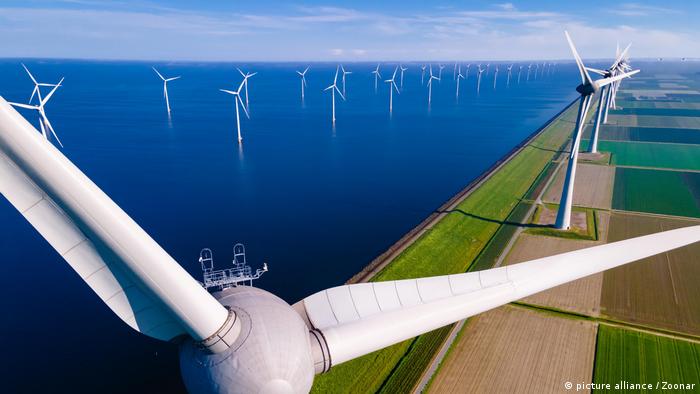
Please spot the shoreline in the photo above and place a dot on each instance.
(383, 260)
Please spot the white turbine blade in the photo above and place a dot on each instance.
(335, 79)
(48, 96)
(229, 92)
(173, 78)
(620, 57)
(358, 319)
(595, 70)
(27, 106)
(161, 77)
(36, 88)
(128, 270)
(330, 87)
(606, 81)
(306, 69)
(252, 75)
(585, 78)
(30, 74)
(50, 127)
(339, 92)
(395, 87)
(245, 110)
(242, 73)
(300, 73)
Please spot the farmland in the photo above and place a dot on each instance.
(637, 357)
(584, 196)
(661, 192)
(513, 349)
(657, 111)
(674, 303)
(639, 154)
(655, 121)
(646, 134)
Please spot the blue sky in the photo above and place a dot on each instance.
(356, 31)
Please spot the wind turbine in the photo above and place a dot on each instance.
(430, 85)
(392, 85)
(422, 73)
(528, 72)
(377, 75)
(44, 123)
(440, 72)
(282, 346)
(509, 69)
(520, 71)
(454, 73)
(459, 76)
(586, 89)
(606, 93)
(402, 68)
(238, 101)
(334, 88)
(479, 72)
(344, 73)
(37, 85)
(487, 68)
(495, 77)
(466, 74)
(537, 68)
(165, 87)
(302, 75)
(246, 76)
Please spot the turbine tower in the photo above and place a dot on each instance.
(529, 67)
(520, 71)
(334, 88)
(430, 85)
(44, 123)
(459, 76)
(495, 77)
(377, 75)
(238, 101)
(422, 74)
(246, 76)
(165, 87)
(440, 66)
(302, 75)
(244, 339)
(510, 70)
(402, 68)
(586, 89)
(479, 72)
(454, 73)
(466, 73)
(344, 73)
(392, 86)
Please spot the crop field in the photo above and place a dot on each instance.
(645, 134)
(580, 296)
(656, 111)
(661, 291)
(662, 192)
(450, 247)
(641, 154)
(638, 357)
(599, 196)
(657, 104)
(655, 121)
(516, 350)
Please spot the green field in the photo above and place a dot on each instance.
(645, 134)
(657, 111)
(636, 357)
(449, 247)
(654, 191)
(640, 154)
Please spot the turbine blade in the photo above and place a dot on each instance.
(339, 92)
(27, 106)
(173, 78)
(161, 77)
(229, 92)
(620, 57)
(242, 73)
(585, 78)
(48, 125)
(48, 96)
(595, 70)
(30, 74)
(240, 101)
(607, 81)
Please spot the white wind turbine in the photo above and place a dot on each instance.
(334, 88)
(529, 67)
(487, 68)
(165, 87)
(344, 73)
(520, 71)
(238, 103)
(479, 72)
(454, 73)
(430, 85)
(402, 68)
(459, 76)
(246, 76)
(37, 85)
(440, 66)
(422, 74)
(466, 73)
(510, 70)
(495, 77)
(537, 68)
(302, 75)
(392, 86)
(377, 75)
(44, 123)
(282, 346)
(587, 89)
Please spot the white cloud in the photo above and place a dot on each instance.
(636, 9)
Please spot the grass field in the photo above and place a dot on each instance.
(450, 247)
(661, 291)
(640, 154)
(516, 350)
(645, 134)
(638, 357)
(662, 192)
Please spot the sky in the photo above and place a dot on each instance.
(361, 30)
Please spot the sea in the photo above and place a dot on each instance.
(315, 201)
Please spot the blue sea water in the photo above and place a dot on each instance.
(316, 202)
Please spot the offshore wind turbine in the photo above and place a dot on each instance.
(238, 102)
(529, 67)
(344, 73)
(495, 77)
(422, 73)
(165, 87)
(459, 76)
(520, 71)
(334, 88)
(37, 85)
(281, 346)
(402, 68)
(377, 75)
(246, 76)
(586, 89)
(44, 123)
(454, 73)
(430, 85)
(537, 68)
(509, 69)
(440, 66)
(392, 86)
(302, 75)
(488, 65)
(479, 72)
